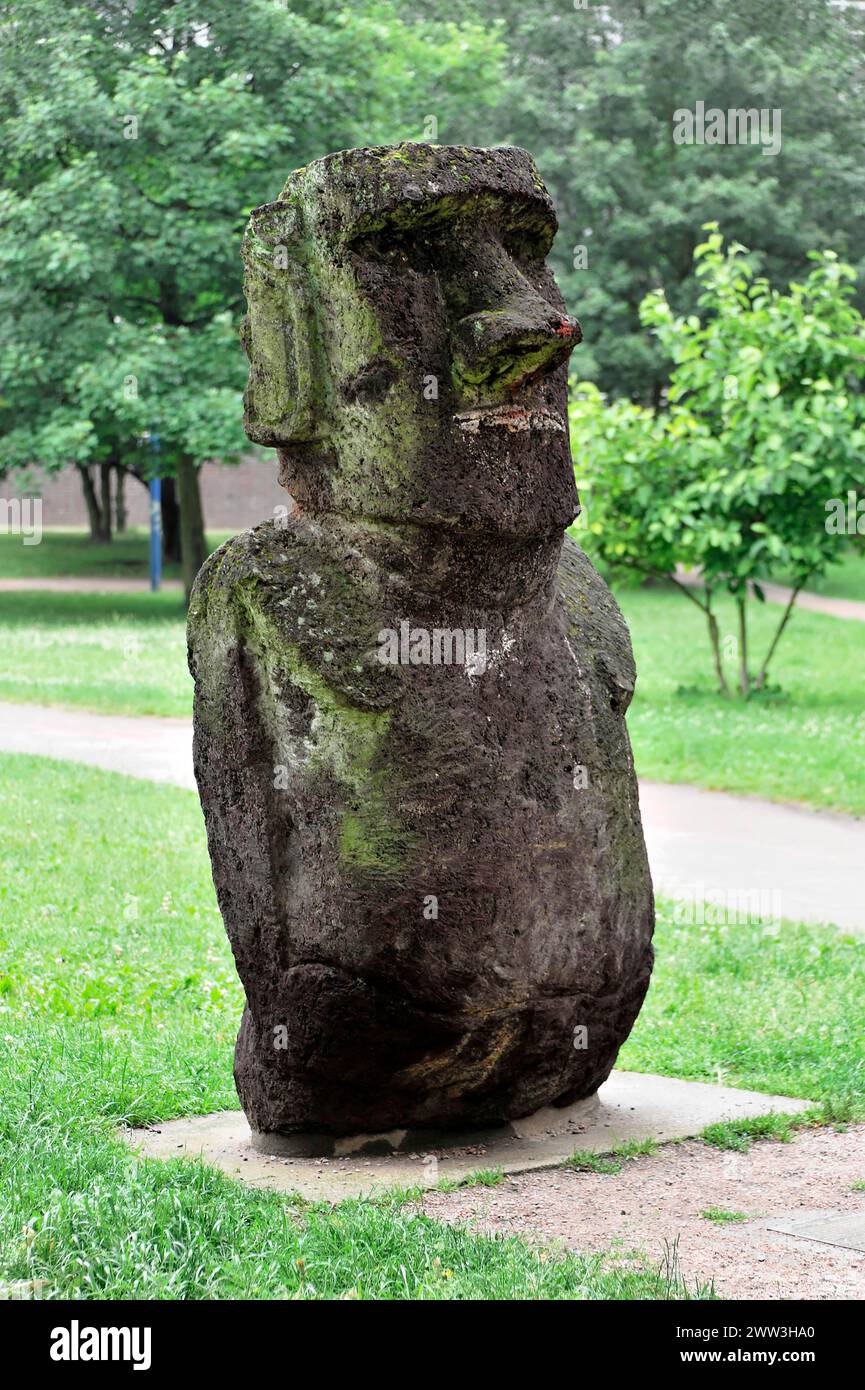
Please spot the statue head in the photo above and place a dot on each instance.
(407, 341)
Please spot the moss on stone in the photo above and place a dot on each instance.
(345, 743)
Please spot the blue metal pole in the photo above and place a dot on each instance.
(155, 533)
(155, 520)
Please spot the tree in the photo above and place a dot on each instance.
(592, 94)
(137, 138)
(765, 427)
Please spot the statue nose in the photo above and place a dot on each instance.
(503, 346)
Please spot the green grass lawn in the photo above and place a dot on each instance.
(781, 1011)
(69, 553)
(119, 1004)
(803, 742)
(116, 653)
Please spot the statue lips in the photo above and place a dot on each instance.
(514, 418)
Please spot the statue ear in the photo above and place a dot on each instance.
(278, 332)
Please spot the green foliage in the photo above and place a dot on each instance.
(628, 476)
(768, 385)
(592, 92)
(765, 425)
(105, 231)
(136, 141)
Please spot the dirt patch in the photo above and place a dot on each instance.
(653, 1207)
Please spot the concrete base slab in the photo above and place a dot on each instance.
(842, 1228)
(629, 1106)
(541, 1124)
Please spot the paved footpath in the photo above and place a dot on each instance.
(803, 865)
(158, 749)
(85, 584)
(817, 603)
(703, 846)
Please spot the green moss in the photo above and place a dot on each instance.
(345, 744)
(400, 155)
(369, 843)
(476, 382)
(288, 383)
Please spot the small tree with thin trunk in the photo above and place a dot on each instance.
(631, 477)
(763, 432)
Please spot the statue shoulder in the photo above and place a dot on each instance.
(595, 623)
(280, 592)
(269, 551)
(248, 573)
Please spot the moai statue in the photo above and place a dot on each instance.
(410, 690)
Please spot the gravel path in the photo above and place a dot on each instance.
(652, 1208)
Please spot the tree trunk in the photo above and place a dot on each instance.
(105, 500)
(764, 669)
(744, 679)
(170, 522)
(121, 515)
(94, 515)
(193, 546)
(715, 639)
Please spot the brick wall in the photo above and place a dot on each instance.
(234, 496)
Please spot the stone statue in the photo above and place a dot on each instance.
(410, 689)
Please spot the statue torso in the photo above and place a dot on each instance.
(439, 830)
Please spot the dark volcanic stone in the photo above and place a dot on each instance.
(432, 874)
